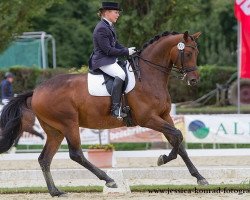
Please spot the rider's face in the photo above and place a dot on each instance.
(112, 15)
(10, 79)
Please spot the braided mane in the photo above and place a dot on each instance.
(155, 38)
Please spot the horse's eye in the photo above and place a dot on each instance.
(189, 54)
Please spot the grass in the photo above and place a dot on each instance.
(245, 109)
(244, 187)
(217, 146)
(32, 190)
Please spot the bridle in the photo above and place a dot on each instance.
(183, 70)
(181, 47)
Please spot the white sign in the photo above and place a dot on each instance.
(228, 128)
(88, 136)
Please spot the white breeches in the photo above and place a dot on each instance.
(114, 70)
(5, 101)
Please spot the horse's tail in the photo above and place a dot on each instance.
(11, 120)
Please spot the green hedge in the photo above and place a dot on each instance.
(209, 76)
(28, 78)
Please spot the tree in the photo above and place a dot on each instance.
(218, 43)
(214, 18)
(141, 21)
(15, 17)
(72, 25)
(73, 22)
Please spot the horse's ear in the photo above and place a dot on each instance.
(196, 35)
(185, 36)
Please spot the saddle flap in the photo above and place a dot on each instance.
(100, 84)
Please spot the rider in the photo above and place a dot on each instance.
(6, 87)
(107, 49)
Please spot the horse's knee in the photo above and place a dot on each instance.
(179, 136)
(176, 138)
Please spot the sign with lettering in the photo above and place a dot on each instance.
(122, 134)
(228, 128)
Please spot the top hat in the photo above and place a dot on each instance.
(9, 75)
(110, 6)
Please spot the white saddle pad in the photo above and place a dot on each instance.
(97, 88)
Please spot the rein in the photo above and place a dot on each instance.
(183, 70)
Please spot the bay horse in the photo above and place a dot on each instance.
(62, 105)
(28, 123)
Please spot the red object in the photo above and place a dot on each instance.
(242, 13)
(100, 157)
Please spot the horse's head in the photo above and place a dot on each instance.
(184, 57)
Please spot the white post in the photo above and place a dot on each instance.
(43, 50)
(122, 185)
(54, 51)
(238, 66)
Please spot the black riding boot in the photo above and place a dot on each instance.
(116, 94)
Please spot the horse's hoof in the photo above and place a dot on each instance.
(160, 160)
(202, 182)
(63, 195)
(59, 193)
(111, 184)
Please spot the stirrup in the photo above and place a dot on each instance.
(120, 115)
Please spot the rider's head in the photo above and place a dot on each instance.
(110, 11)
(9, 76)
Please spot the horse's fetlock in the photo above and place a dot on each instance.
(44, 164)
(173, 156)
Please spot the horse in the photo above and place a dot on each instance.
(62, 105)
(28, 125)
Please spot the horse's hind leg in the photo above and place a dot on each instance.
(34, 132)
(73, 138)
(54, 139)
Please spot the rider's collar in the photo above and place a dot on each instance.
(110, 23)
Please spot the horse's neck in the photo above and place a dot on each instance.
(157, 53)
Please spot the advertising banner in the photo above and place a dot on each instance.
(217, 128)
(123, 134)
(88, 136)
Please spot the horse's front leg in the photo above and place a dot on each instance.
(173, 135)
(183, 153)
(192, 169)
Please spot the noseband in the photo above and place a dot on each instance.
(183, 70)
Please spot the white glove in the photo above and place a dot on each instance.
(131, 50)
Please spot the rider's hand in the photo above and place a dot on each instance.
(131, 50)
